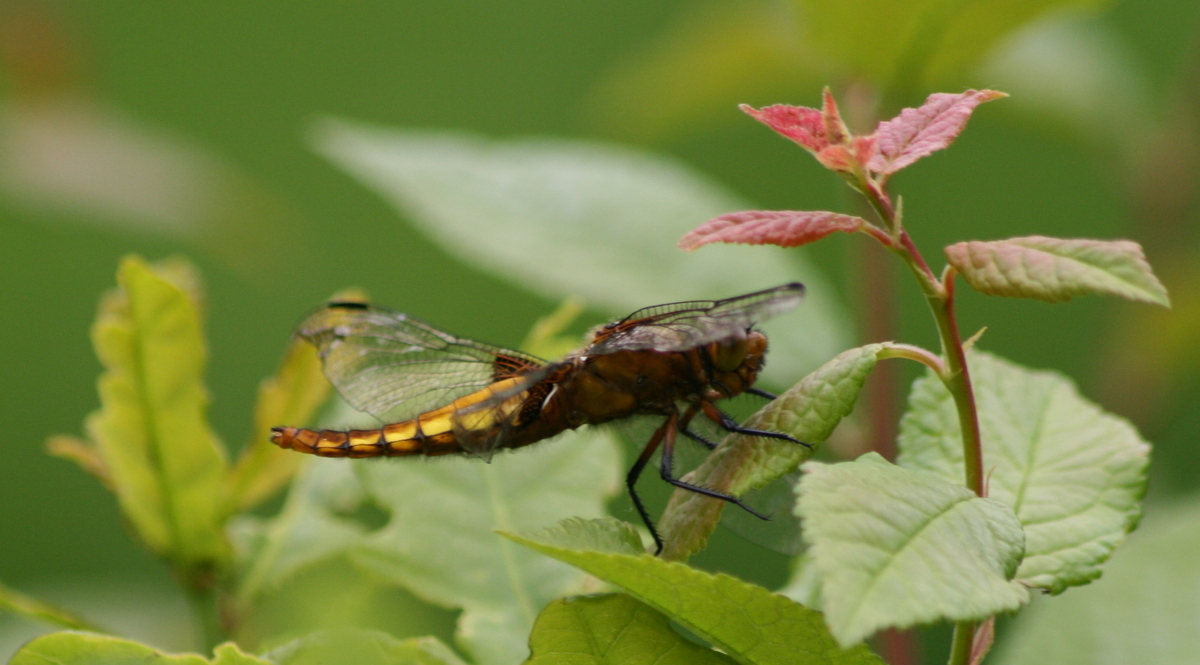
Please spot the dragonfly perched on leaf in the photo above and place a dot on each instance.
(441, 394)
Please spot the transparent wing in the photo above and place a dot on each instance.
(395, 367)
(687, 325)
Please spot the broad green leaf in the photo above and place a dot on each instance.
(1055, 269)
(165, 463)
(907, 46)
(311, 527)
(75, 648)
(568, 218)
(809, 411)
(291, 397)
(896, 548)
(612, 629)
(352, 646)
(440, 540)
(750, 624)
(1144, 610)
(1073, 474)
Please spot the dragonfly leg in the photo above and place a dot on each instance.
(634, 472)
(668, 475)
(730, 425)
(683, 429)
(762, 393)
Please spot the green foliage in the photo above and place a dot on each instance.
(1054, 269)
(1145, 611)
(894, 547)
(72, 648)
(747, 622)
(809, 411)
(440, 540)
(351, 646)
(611, 629)
(1073, 474)
(151, 433)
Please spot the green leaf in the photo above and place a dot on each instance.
(896, 548)
(1073, 474)
(602, 222)
(152, 432)
(352, 646)
(75, 648)
(809, 411)
(440, 540)
(291, 397)
(310, 528)
(1055, 269)
(749, 623)
(1144, 610)
(612, 629)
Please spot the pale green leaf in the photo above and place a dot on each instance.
(310, 528)
(75, 648)
(352, 646)
(747, 622)
(612, 629)
(440, 540)
(1055, 269)
(1073, 474)
(896, 548)
(291, 397)
(152, 432)
(1145, 609)
(809, 411)
(568, 218)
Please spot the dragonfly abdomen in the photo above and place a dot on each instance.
(399, 440)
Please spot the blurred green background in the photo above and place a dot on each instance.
(183, 128)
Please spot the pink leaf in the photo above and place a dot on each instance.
(786, 228)
(919, 132)
(799, 123)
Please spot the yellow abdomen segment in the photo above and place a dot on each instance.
(431, 433)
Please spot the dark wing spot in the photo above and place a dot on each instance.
(506, 367)
(347, 304)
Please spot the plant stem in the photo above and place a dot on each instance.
(964, 639)
(203, 597)
(939, 294)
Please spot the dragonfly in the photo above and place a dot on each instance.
(440, 394)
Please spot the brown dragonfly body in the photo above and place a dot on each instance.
(468, 397)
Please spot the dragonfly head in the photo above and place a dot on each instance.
(737, 360)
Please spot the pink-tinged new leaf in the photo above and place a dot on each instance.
(919, 132)
(801, 124)
(785, 228)
(836, 131)
(1055, 269)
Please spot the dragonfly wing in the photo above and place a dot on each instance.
(395, 367)
(687, 325)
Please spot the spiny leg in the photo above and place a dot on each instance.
(665, 471)
(632, 477)
(762, 393)
(730, 425)
(683, 428)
